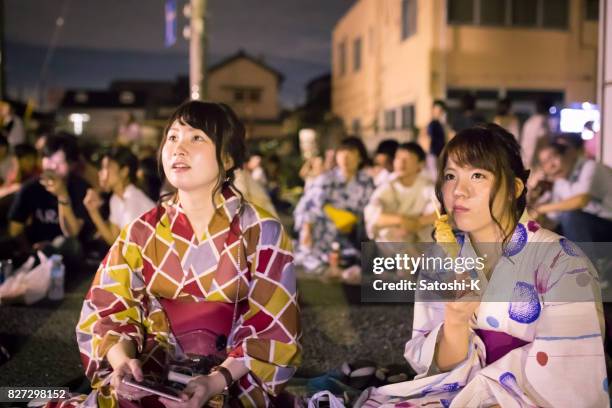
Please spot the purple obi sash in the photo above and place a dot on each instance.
(498, 344)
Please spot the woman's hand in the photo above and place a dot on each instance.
(197, 392)
(459, 313)
(306, 239)
(92, 200)
(131, 368)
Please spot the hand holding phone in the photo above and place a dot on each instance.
(154, 388)
(130, 368)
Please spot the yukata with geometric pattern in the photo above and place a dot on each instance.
(541, 308)
(330, 188)
(158, 256)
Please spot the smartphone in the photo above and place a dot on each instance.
(154, 388)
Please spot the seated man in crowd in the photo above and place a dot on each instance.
(581, 194)
(51, 206)
(117, 175)
(382, 168)
(8, 163)
(402, 210)
(22, 166)
(11, 124)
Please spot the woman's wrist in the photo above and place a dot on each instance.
(120, 353)
(452, 328)
(63, 200)
(216, 384)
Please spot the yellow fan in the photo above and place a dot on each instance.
(343, 220)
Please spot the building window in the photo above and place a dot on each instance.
(409, 18)
(81, 97)
(255, 95)
(342, 58)
(390, 119)
(524, 13)
(460, 11)
(592, 10)
(127, 98)
(552, 14)
(493, 12)
(555, 13)
(238, 95)
(356, 127)
(407, 116)
(357, 54)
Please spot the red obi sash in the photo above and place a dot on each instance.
(201, 328)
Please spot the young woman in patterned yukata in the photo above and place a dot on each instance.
(346, 187)
(538, 341)
(205, 261)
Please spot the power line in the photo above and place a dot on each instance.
(44, 70)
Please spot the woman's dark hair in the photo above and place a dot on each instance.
(151, 182)
(219, 122)
(503, 106)
(355, 143)
(24, 149)
(65, 142)
(388, 147)
(492, 148)
(124, 157)
(468, 102)
(559, 149)
(415, 149)
(441, 104)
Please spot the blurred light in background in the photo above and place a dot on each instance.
(576, 119)
(77, 120)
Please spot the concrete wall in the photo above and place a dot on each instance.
(439, 56)
(500, 57)
(605, 82)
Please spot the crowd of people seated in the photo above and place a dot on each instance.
(62, 197)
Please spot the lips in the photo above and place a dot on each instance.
(460, 209)
(180, 167)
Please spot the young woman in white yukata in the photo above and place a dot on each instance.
(538, 342)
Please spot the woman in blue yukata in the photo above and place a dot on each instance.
(533, 336)
(332, 207)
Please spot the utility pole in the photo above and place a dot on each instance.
(197, 50)
(2, 53)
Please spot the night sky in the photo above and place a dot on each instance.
(102, 40)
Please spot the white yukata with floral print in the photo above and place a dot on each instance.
(560, 362)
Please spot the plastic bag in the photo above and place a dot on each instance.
(28, 284)
(327, 397)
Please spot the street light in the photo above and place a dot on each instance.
(77, 120)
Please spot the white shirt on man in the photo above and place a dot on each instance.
(132, 205)
(395, 198)
(588, 177)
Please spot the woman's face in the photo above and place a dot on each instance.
(466, 192)
(188, 158)
(109, 174)
(347, 160)
(551, 162)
